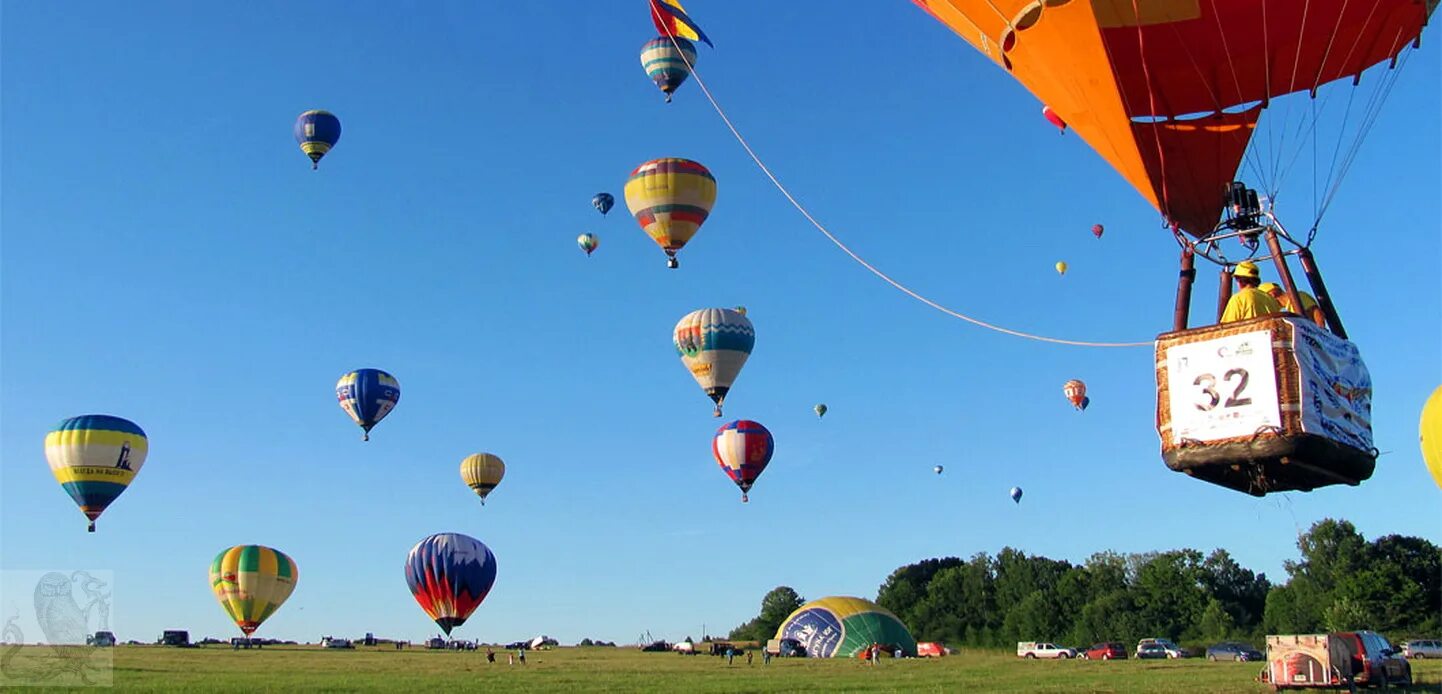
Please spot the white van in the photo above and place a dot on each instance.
(1043, 649)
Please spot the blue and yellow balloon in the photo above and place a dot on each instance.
(95, 457)
(368, 395)
(317, 132)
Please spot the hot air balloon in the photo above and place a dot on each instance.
(1097, 230)
(938, 469)
(482, 472)
(603, 202)
(1172, 95)
(845, 627)
(1053, 118)
(1076, 394)
(743, 448)
(317, 131)
(820, 410)
(450, 574)
(671, 199)
(252, 582)
(667, 66)
(1061, 268)
(1430, 434)
(95, 457)
(1016, 494)
(713, 344)
(368, 395)
(588, 243)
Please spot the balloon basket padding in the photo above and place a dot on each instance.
(1280, 459)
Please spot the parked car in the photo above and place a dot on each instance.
(1148, 651)
(1105, 651)
(786, 648)
(1042, 649)
(1422, 649)
(1348, 658)
(1232, 650)
(1171, 648)
(930, 649)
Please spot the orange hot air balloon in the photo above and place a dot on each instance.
(1076, 394)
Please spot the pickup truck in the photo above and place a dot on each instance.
(1042, 649)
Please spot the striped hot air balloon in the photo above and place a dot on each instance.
(482, 472)
(450, 574)
(743, 449)
(95, 457)
(671, 199)
(252, 582)
(667, 65)
(367, 395)
(713, 344)
(1076, 393)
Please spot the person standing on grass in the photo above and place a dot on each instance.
(521, 655)
(490, 655)
(765, 657)
(748, 658)
(730, 653)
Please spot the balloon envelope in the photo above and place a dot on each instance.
(1430, 433)
(252, 582)
(820, 410)
(588, 243)
(1098, 230)
(368, 395)
(938, 469)
(1061, 268)
(1053, 118)
(95, 457)
(449, 575)
(671, 198)
(316, 132)
(1015, 494)
(482, 472)
(665, 64)
(844, 627)
(1076, 393)
(714, 343)
(743, 449)
(603, 202)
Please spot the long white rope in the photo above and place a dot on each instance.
(832, 237)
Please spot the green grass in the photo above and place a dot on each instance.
(299, 668)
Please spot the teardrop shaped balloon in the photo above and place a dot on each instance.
(1098, 230)
(449, 575)
(603, 202)
(1430, 435)
(1015, 494)
(1061, 268)
(252, 582)
(95, 457)
(1076, 393)
(671, 198)
(368, 395)
(588, 243)
(713, 344)
(743, 449)
(482, 472)
(317, 132)
(938, 469)
(820, 410)
(1053, 118)
(667, 65)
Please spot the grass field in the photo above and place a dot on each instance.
(300, 668)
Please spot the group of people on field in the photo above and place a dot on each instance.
(1255, 298)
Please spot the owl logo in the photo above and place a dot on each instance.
(66, 627)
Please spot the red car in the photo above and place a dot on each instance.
(1105, 651)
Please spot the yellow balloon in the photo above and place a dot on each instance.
(482, 472)
(1430, 432)
(1061, 268)
(252, 582)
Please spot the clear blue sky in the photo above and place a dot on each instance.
(170, 257)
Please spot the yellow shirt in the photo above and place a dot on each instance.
(1308, 303)
(1249, 303)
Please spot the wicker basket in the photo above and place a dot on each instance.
(1272, 459)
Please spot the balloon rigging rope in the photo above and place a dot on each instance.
(832, 237)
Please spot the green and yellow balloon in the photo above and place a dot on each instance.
(252, 582)
(95, 457)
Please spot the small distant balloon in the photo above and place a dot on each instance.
(1061, 268)
(588, 243)
(938, 469)
(1015, 494)
(668, 62)
(1098, 230)
(1053, 118)
(1076, 394)
(820, 410)
(743, 449)
(482, 472)
(603, 202)
(368, 395)
(316, 132)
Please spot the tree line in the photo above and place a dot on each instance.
(1341, 582)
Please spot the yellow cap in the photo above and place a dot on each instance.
(1247, 269)
(1270, 287)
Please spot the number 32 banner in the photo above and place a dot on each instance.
(1223, 388)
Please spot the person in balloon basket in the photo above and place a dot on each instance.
(1310, 309)
(1249, 301)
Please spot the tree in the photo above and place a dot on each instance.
(904, 589)
(1240, 592)
(776, 606)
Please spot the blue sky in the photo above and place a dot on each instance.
(170, 257)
